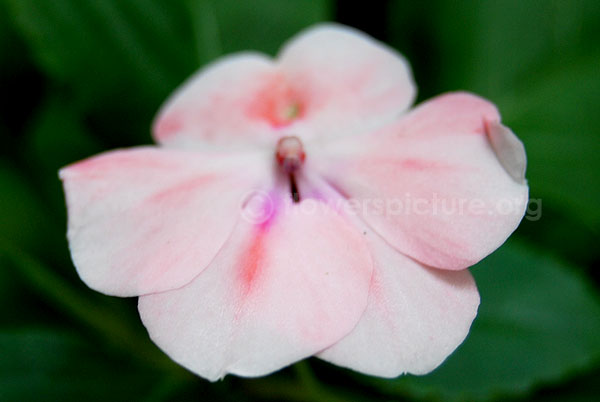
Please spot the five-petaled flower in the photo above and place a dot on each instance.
(299, 142)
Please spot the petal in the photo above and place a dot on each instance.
(147, 220)
(276, 293)
(328, 81)
(347, 82)
(238, 100)
(509, 149)
(432, 184)
(415, 317)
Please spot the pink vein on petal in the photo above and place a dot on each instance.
(251, 261)
(181, 190)
(118, 160)
(420, 164)
(168, 125)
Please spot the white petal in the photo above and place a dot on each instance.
(415, 318)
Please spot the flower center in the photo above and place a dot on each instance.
(290, 157)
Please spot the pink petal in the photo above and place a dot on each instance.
(432, 184)
(240, 99)
(348, 82)
(147, 220)
(416, 317)
(276, 293)
(328, 81)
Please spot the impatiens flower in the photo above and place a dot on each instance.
(296, 207)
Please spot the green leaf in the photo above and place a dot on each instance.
(538, 322)
(95, 314)
(262, 25)
(556, 117)
(11, 55)
(57, 137)
(24, 223)
(130, 52)
(57, 365)
(23, 217)
(582, 389)
(492, 46)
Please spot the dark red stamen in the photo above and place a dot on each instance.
(290, 157)
(294, 188)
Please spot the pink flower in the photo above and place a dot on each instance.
(296, 208)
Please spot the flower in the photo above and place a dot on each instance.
(296, 207)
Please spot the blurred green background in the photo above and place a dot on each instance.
(81, 76)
